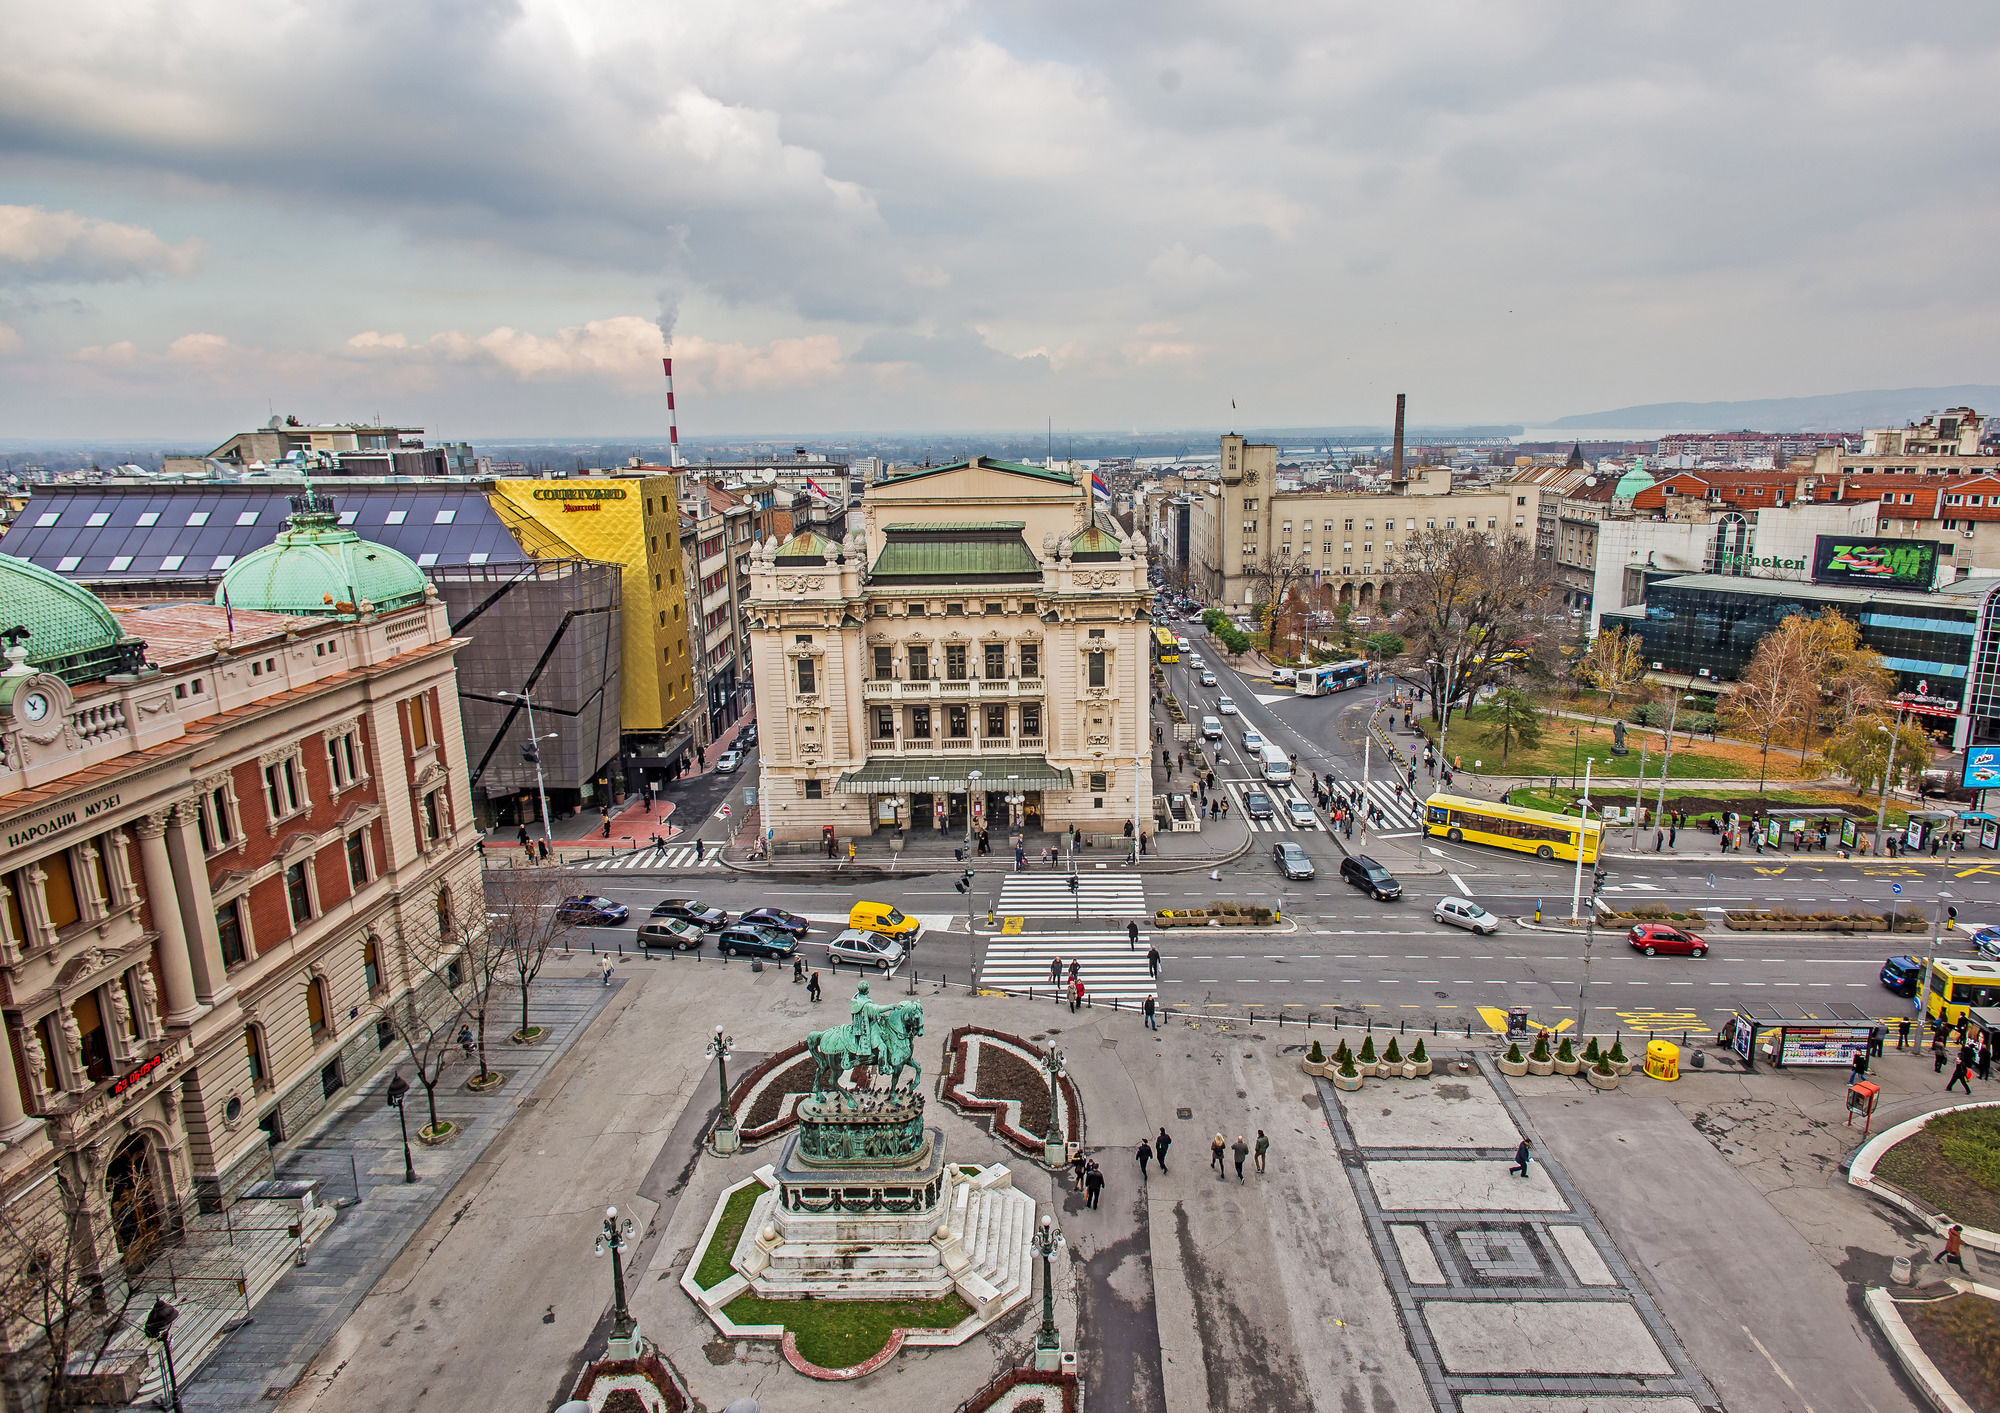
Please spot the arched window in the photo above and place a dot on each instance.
(253, 1053)
(444, 912)
(371, 964)
(316, 1008)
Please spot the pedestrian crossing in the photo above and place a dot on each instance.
(1404, 812)
(1098, 895)
(652, 860)
(1279, 822)
(1111, 967)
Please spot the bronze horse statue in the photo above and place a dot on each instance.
(835, 1050)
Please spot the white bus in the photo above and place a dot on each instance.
(1277, 765)
(1332, 677)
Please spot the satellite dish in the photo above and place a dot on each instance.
(1590, 480)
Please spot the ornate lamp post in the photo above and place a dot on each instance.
(1055, 1147)
(615, 1236)
(159, 1325)
(724, 1140)
(398, 1089)
(1048, 1240)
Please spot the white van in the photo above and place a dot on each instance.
(1211, 728)
(1284, 676)
(1180, 642)
(1277, 765)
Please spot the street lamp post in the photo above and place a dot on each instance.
(1575, 744)
(527, 699)
(971, 790)
(1882, 804)
(1142, 773)
(1597, 877)
(724, 1139)
(1667, 759)
(614, 1237)
(399, 1088)
(159, 1325)
(1582, 839)
(1048, 1239)
(1055, 1148)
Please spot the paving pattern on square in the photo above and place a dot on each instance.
(1513, 1297)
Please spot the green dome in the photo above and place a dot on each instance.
(1632, 482)
(69, 632)
(316, 567)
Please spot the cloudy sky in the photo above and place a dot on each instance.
(484, 216)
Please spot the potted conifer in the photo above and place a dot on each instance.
(1512, 1062)
(1602, 1075)
(1540, 1061)
(1566, 1060)
(1420, 1063)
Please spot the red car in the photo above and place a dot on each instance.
(1651, 937)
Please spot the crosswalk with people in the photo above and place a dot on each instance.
(1097, 895)
(671, 856)
(1111, 966)
(1402, 812)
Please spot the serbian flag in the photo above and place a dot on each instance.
(814, 487)
(1098, 488)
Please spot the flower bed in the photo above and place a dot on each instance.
(764, 1103)
(1962, 1337)
(838, 1335)
(1227, 914)
(1653, 915)
(1779, 920)
(1952, 1164)
(1012, 1091)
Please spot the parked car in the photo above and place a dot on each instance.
(754, 941)
(1983, 936)
(688, 910)
(885, 919)
(1292, 860)
(777, 917)
(1257, 805)
(866, 949)
(1207, 678)
(1463, 912)
(585, 910)
(728, 761)
(1651, 937)
(1903, 975)
(747, 737)
(1284, 676)
(1299, 811)
(670, 934)
(1211, 728)
(1225, 706)
(1371, 878)
(1252, 740)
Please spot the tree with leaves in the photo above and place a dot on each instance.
(1384, 644)
(1615, 662)
(1861, 751)
(1513, 711)
(1770, 696)
(1848, 675)
(1471, 607)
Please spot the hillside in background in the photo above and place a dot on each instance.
(1829, 412)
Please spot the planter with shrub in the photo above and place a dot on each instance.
(1347, 1077)
(1420, 1063)
(1566, 1060)
(1512, 1062)
(1539, 1060)
(1602, 1075)
(1315, 1061)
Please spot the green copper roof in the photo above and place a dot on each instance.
(69, 633)
(1632, 482)
(945, 553)
(317, 568)
(1016, 468)
(1094, 541)
(806, 547)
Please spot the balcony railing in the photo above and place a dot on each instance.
(956, 743)
(883, 690)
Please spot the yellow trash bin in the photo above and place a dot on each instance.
(1663, 1059)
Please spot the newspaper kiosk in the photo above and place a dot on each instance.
(1830, 1033)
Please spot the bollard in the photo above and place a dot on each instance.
(1371, 1025)
(621, 949)
(1434, 1030)
(1403, 1028)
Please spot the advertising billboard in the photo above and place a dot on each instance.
(1982, 768)
(1858, 562)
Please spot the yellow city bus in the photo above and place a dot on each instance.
(1537, 832)
(1959, 982)
(1165, 649)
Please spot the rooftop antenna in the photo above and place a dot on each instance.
(673, 419)
(1052, 442)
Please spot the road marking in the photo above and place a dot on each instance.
(1461, 885)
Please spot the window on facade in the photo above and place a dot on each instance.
(1031, 659)
(433, 816)
(885, 723)
(885, 664)
(996, 660)
(95, 1050)
(812, 790)
(316, 1006)
(806, 676)
(343, 755)
(298, 892)
(357, 859)
(1097, 781)
(281, 787)
(996, 721)
(996, 608)
(956, 724)
(420, 723)
(916, 610)
(59, 891)
(1097, 669)
(253, 1054)
(1031, 719)
(920, 723)
(920, 663)
(229, 930)
(954, 662)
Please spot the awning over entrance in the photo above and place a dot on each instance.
(900, 776)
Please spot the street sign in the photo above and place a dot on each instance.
(1897, 889)
(724, 812)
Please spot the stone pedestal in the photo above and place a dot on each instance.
(726, 1139)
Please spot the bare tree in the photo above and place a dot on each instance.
(1275, 577)
(428, 1016)
(1772, 694)
(523, 925)
(1471, 606)
(54, 1301)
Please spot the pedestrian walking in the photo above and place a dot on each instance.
(1878, 1040)
(798, 970)
(1986, 1060)
(1521, 1156)
(812, 989)
(1075, 994)
(1055, 971)
(1263, 1147)
(1079, 1165)
(697, 850)
(607, 982)
(1857, 1068)
(1145, 1156)
(1131, 936)
(1215, 1152)
(542, 850)
(1152, 1019)
(1242, 1150)
(1075, 968)
(1937, 1051)
(521, 833)
(1161, 1143)
(1093, 1183)
(1958, 1072)
(1954, 1247)
(1903, 1033)
(1673, 833)
(1020, 859)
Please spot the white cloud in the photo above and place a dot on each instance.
(39, 244)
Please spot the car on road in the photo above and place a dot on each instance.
(755, 941)
(586, 910)
(689, 910)
(884, 918)
(1211, 728)
(1207, 678)
(1197, 661)
(1651, 937)
(1463, 912)
(1370, 877)
(747, 737)
(670, 934)
(778, 918)
(1225, 706)
(1292, 861)
(1257, 805)
(866, 949)
(1983, 936)
(1299, 811)
(1284, 676)
(1252, 740)
(728, 761)
(1903, 975)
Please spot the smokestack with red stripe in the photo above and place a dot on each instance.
(673, 419)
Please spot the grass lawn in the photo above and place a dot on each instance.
(1962, 1337)
(1953, 1164)
(836, 1334)
(1473, 737)
(714, 1268)
(1700, 804)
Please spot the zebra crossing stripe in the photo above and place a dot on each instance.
(677, 857)
(1048, 895)
(1110, 966)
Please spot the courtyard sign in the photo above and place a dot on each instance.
(1888, 564)
(1751, 561)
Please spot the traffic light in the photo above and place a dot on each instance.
(964, 880)
(1072, 883)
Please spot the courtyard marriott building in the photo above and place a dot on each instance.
(975, 653)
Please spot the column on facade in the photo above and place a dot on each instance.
(162, 891)
(204, 943)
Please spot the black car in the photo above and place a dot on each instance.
(587, 911)
(1257, 805)
(789, 923)
(688, 910)
(754, 941)
(1371, 878)
(1903, 975)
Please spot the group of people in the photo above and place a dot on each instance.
(1975, 1053)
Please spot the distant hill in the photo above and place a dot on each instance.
(1830, 412)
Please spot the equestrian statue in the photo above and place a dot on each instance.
(881, 1036)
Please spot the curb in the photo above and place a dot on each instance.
(1861, 1174)
(1910, 1355)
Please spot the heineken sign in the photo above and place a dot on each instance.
(1751, 561)
(1888, 564)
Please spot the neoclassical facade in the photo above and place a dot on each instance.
(976, 652)
(223, 828)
